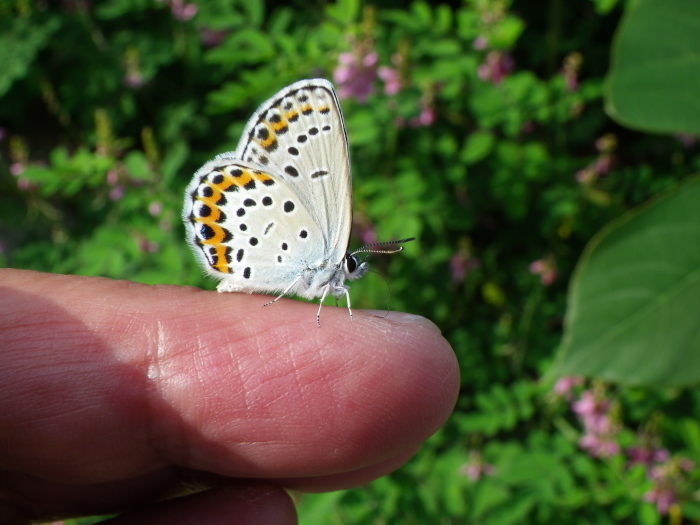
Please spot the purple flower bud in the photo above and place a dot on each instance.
(391, 78)
(116, 193)
(566, 384)
(355, 74)
(480, 43)
(155, 208)
(17, 168)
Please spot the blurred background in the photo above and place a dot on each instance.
(477, 126)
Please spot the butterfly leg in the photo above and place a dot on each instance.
(286, 291)
(347, 297)
(318, 314)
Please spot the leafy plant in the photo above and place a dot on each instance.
(478, 127)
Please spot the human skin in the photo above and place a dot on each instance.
(186, 406)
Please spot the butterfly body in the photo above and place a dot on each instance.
(274, 216)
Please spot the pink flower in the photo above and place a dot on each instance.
(599, 429)
(496, 66)
(606, 144)
(147, 246)
(24, 184)
(546, 269)
(593, 412)
(426, 117)
(368, 235)
(566, 384)
(354, 75)
(476, 467)
(599, 446)
(461, 264)
(134, 79)
(570, 69)
(391, 78)
(155, 208)
(528, 127)
(364, 228)
(669, 482)
(112, 177)
(480, 43)
(16, 168)
(116, 193)
(180, 10)
(603, 164)
(686, 464)
(211, 38)
(646, 455)
(686, 139)
(183, 12)
(586, 176)
(571, 82)
(663, 497)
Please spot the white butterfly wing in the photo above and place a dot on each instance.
(247, 227)
(299, 134)
(280, 204)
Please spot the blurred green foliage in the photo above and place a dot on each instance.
(494, 151)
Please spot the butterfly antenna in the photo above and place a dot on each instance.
(389, 288)
(365, 249)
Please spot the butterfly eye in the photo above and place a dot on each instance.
(350, 264)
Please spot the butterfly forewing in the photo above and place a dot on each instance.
(281, 203)
(299, 135)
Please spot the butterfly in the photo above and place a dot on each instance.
(274, 216)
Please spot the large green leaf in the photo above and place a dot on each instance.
(634, 304)
(654, 82)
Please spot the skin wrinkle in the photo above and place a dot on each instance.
(154, 356)
(331, 388)
(385, 411)
(335, 379)
(285, 342)
(282, 439)
(265, 381)
(166, 435)
(251, 405)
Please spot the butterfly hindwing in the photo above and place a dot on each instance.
(248, 228)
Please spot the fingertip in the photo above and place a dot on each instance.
(242, 502)
(404, 318)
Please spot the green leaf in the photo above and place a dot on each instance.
(314, 508)
(422, 12)
(19, 45)
(603, 7)
(654, 83)
(137, 165)
(506, 33)
(632, 313)
(256, 11)
(477, 146)
(344, 11)
(690, 432)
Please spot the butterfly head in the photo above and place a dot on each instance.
(353, 268)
